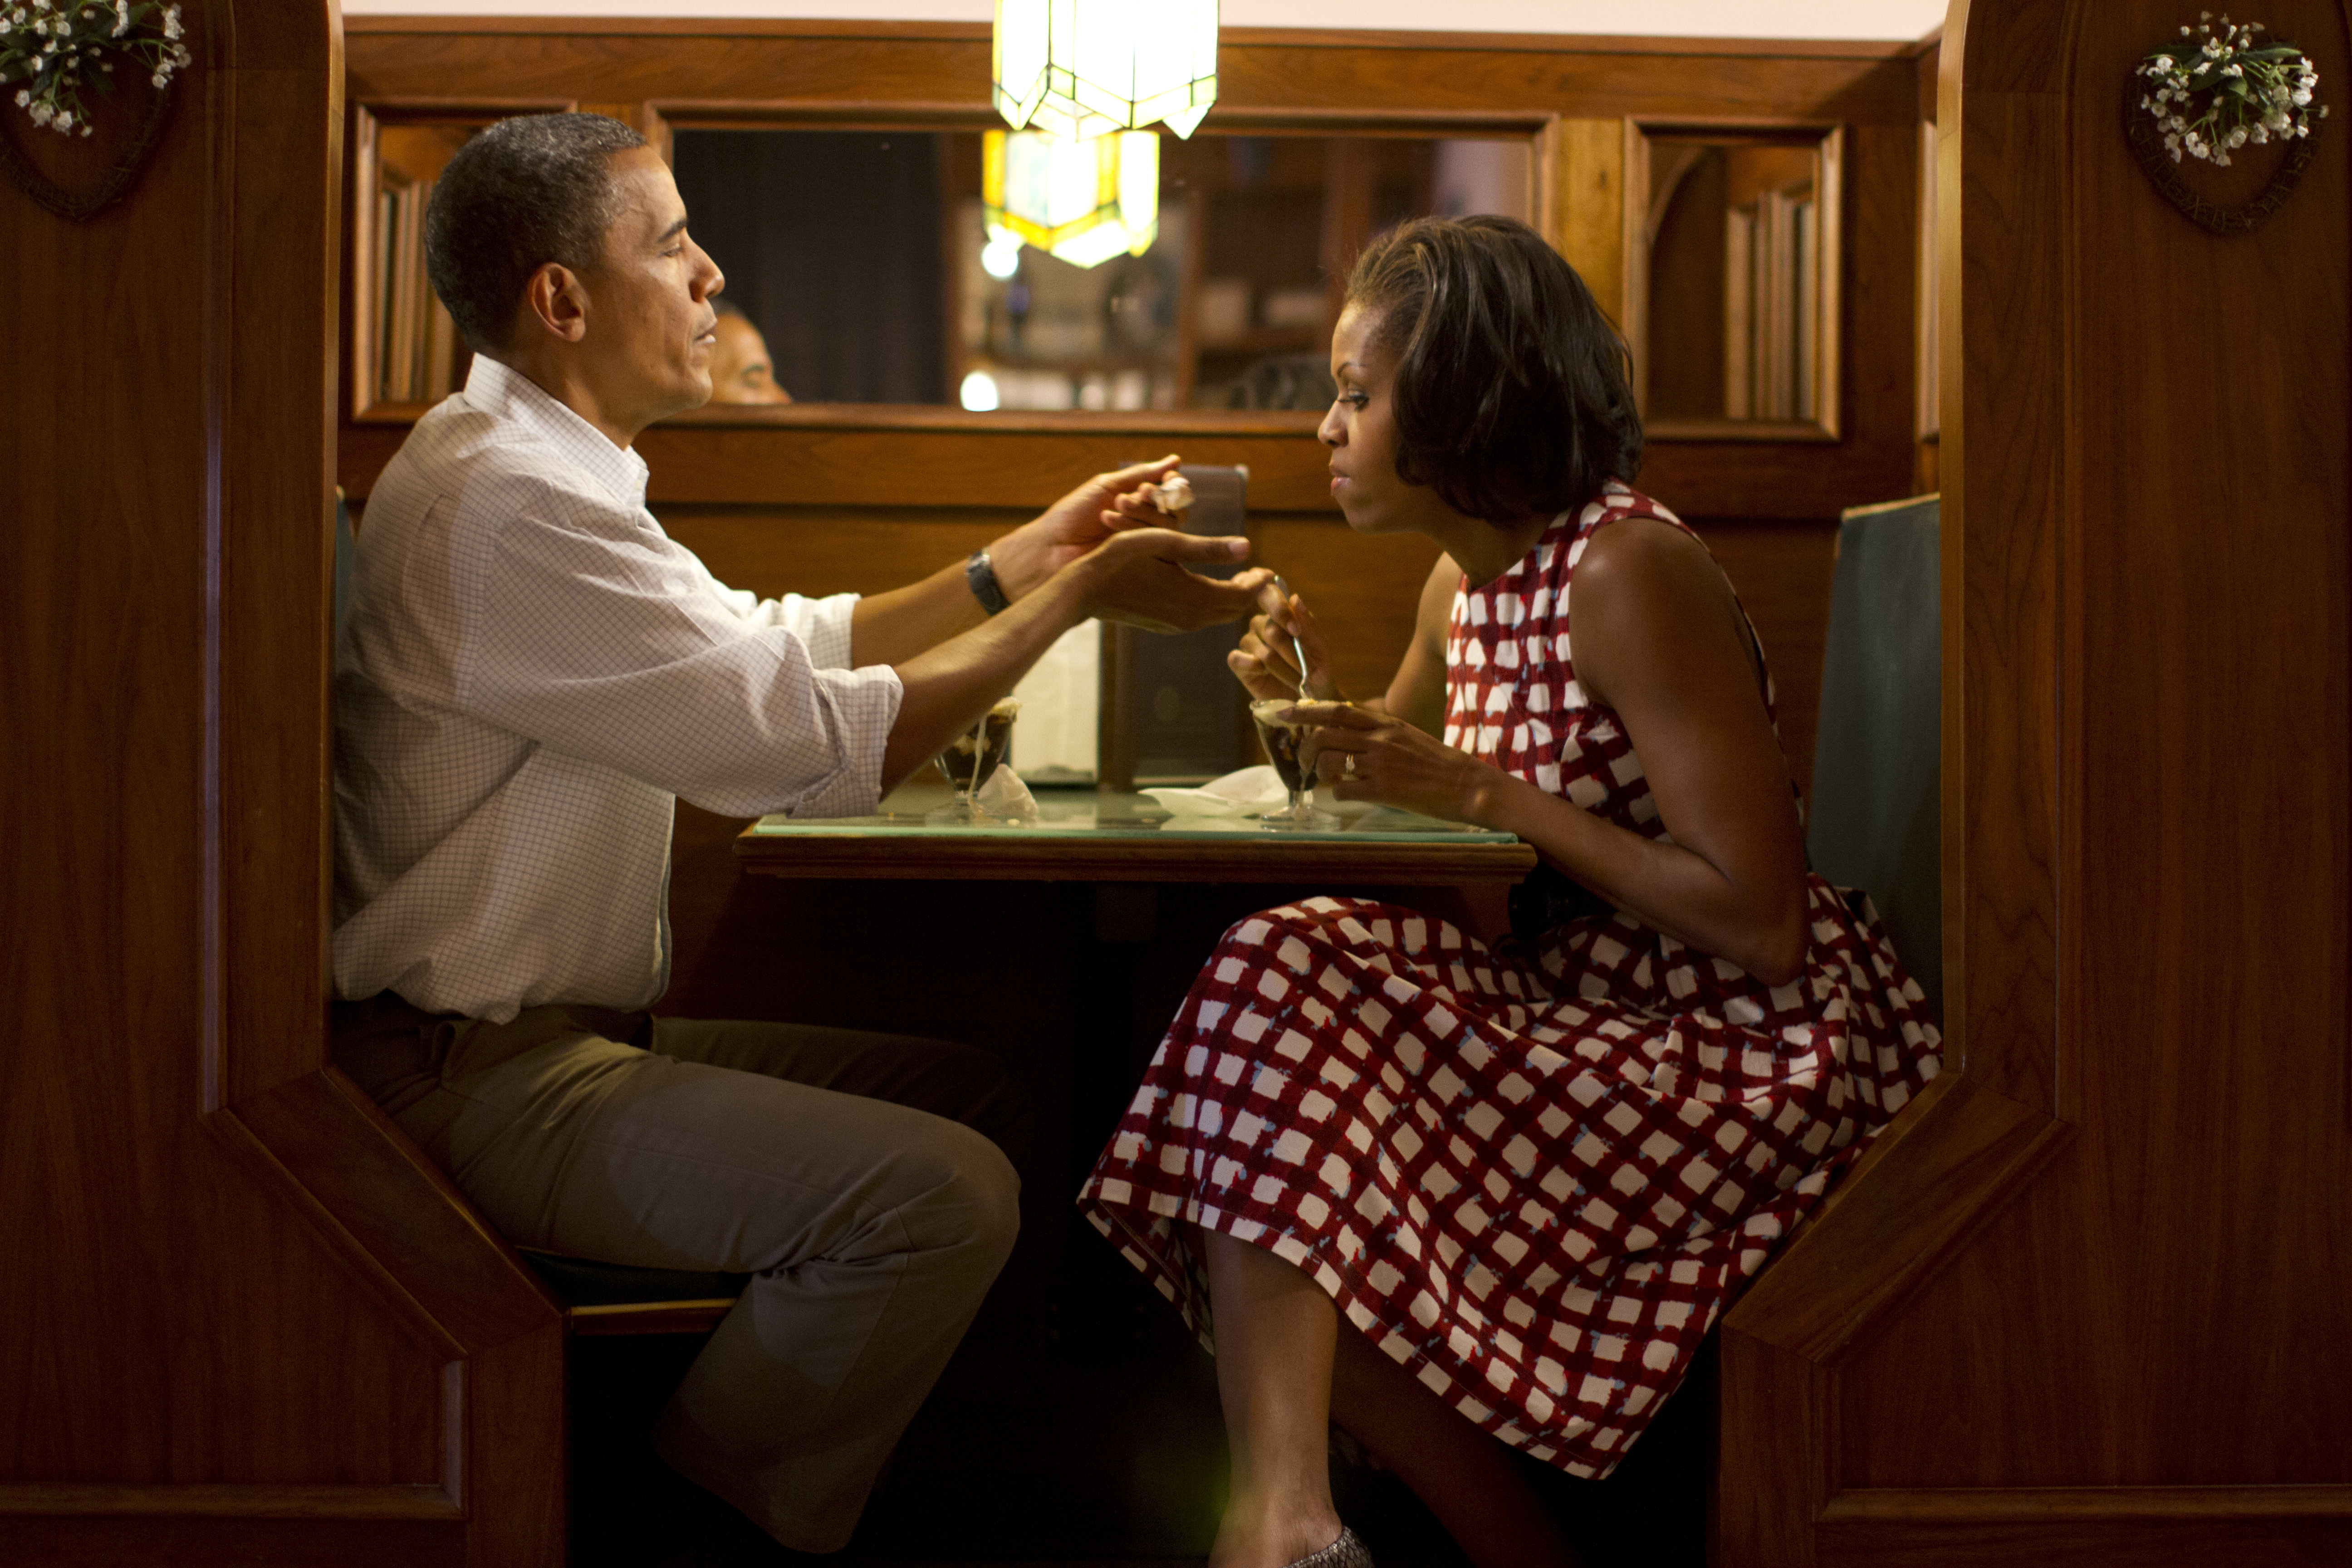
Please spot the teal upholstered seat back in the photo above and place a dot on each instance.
(1876, 821)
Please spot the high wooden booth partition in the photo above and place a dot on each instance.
(248, 1322)
(2083, 1303)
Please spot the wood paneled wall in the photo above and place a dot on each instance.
(247, 1322)
(2086, 1303)
(836, 498)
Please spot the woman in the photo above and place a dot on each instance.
(1528, 1172)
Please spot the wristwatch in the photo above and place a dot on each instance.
(979, 574)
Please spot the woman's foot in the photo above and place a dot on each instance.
(1265, 1536)
(1347, 1551)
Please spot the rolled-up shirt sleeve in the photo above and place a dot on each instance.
(598, 636)
(822, 624)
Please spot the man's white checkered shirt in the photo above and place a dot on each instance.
(530, 672)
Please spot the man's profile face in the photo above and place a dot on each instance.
(650, 326)
(741, 369)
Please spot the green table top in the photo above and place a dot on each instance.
(1105, 815)
(1090, 836)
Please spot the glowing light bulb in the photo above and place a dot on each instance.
(979, 392)
(1001, 256)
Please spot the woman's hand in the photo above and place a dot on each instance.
(1266, 664)
(1366, 755)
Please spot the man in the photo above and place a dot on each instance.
(530, 672)
(742, 370)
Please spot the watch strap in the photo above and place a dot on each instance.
(980, 573)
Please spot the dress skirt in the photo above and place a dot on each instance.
(1534, 1179)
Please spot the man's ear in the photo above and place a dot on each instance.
(555, 300)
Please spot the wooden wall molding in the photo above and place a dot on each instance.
(2023, 1505)
(1938, 1173)
(199, 1500)
(394, 1214)
(880, 461)
(1296, 38)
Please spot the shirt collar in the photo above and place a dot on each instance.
(505, 392)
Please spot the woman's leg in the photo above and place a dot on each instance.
(1464, 1476)
(1275, 1329)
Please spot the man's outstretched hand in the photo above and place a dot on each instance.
(1141, 584)
(1138, 577)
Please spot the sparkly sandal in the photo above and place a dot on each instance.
(1348, 1552)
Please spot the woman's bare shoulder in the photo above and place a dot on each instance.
(1637, 553)
(1648, 599)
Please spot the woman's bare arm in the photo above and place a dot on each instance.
(1417, 693)
(1658, 639)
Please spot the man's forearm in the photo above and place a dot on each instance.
(949, 686)
(894, 628)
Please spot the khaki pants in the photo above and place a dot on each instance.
(830, 1164)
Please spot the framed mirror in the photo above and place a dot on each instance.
(1732, 237)
(896, 293)
(863, 272)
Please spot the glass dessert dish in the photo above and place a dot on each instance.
(1281, 742)
(969, 758)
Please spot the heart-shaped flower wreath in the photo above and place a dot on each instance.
(54, 48)
(2217, 91)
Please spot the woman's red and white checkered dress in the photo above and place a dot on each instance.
(1533, 1177)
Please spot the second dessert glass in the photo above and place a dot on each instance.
(1281, 742)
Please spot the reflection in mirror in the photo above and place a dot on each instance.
(831, 242)
(1736, 239)
(863, 258)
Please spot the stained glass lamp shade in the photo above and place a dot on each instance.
(1083, 202)
(1082, 68)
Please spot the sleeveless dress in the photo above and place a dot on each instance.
(1533, 1174)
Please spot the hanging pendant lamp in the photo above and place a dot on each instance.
(1083, 202)
(1082, 68)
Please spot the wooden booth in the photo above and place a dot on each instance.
(2083, 1303)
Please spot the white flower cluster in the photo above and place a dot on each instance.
(56, 47)
(2218, 92)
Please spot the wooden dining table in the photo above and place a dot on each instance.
(1090, 836)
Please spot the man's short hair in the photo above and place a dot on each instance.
(528, 191)
(1512, 394)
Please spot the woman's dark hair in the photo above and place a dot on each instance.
(526, 192)
(1511, 392)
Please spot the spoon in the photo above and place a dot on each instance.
(1297, 648)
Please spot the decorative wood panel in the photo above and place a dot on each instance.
(2112, 1333)
(248, 1322)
